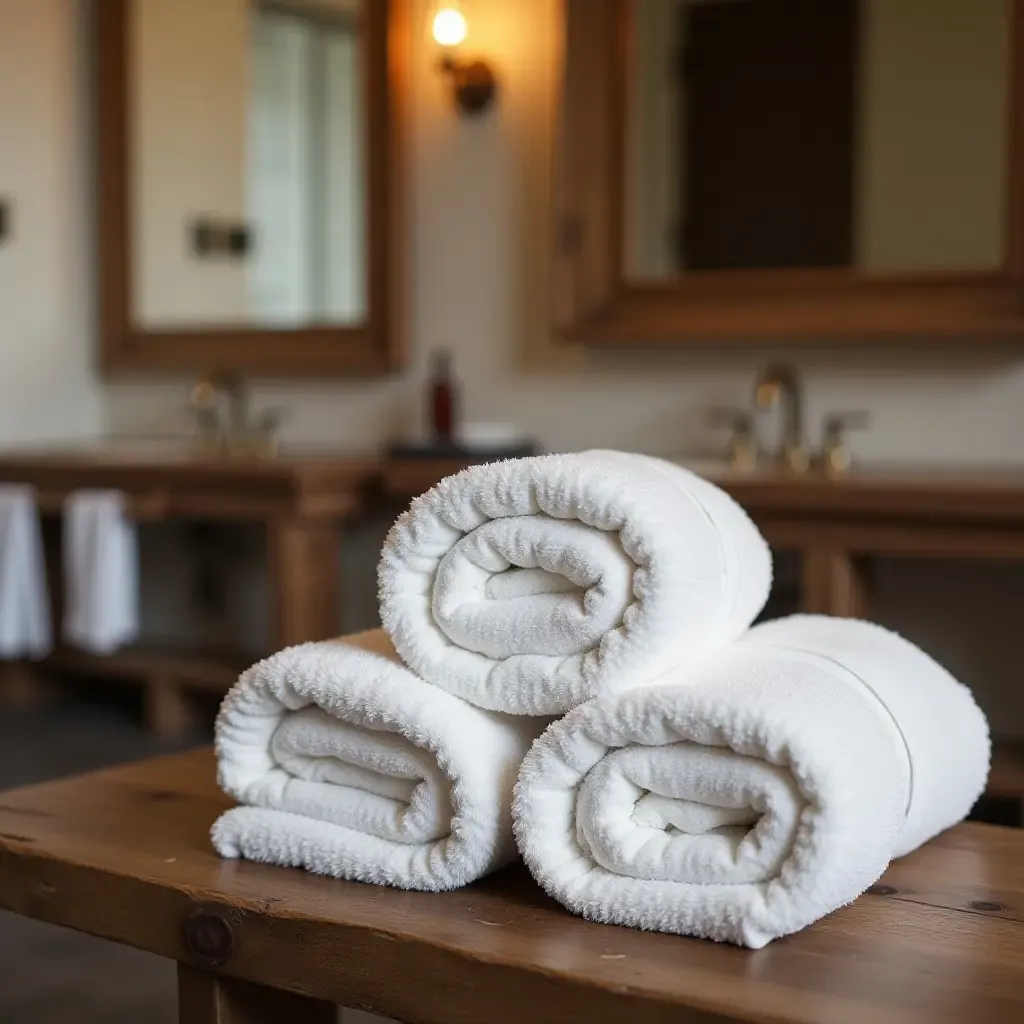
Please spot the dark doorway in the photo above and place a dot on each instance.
(769, 133)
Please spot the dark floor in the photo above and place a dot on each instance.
(49, 975)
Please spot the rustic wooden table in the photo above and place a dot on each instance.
(123, 853)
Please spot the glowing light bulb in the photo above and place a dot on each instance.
(449, 27)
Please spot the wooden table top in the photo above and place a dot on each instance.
(124, 854)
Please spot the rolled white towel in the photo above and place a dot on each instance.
(772, 788)
(352, 766)
(532, 585)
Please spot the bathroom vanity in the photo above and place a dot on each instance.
(301, 502)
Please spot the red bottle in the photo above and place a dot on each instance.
(443, 398)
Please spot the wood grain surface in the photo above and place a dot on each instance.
(124, 854)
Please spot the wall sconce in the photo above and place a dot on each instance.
(473, 82)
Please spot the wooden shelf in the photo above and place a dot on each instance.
(197, 668)
(168, 675)
(1006, 778)
(404, 479)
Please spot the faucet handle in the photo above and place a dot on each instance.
(837, 422)
(205, 420)
(740, 421)
(270, 419)
(836, 456)
(742, 449)
(264, 438)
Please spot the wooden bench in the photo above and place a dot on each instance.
(124, 854)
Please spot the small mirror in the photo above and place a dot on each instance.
(768, 134)
(246, 158)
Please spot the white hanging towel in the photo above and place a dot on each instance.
(25, 630)
(101, 572)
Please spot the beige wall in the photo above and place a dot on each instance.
(189, 84)
(656, 164)
(931, 187)
(47, 389)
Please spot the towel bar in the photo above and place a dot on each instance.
(141, 507)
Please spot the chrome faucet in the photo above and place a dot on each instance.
(223, 407)
(777, 385)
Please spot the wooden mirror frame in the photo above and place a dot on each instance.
(595, 302)
(374, 346)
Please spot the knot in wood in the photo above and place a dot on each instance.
(882, 890)
(987, 906)
(209, 936)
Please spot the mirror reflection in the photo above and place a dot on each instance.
(246, 163)
(816, 133)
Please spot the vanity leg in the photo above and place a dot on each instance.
(166, 710)
(303, 562)
(835, 582)
(22, 685)
(207, 998)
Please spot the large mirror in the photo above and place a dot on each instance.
(850, 159)
(254, 145)
(817, 133)
(247, 162)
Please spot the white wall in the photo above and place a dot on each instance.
(932, 158)
(189, 98)
(344, 278)
(305, 174)
(47, 389)
(656, 164)
(279, 121)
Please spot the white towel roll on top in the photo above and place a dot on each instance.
(531, 585)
